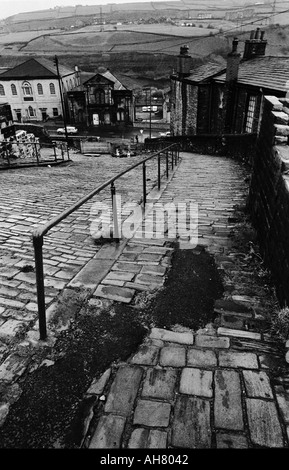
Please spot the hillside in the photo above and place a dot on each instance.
(140, 58)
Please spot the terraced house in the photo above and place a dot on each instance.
(226, 99)
(33, 89)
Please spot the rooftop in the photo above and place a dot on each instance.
(35, 68)
(265, 72)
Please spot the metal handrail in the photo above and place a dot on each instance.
(40, 231)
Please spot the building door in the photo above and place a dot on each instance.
(107, 118)
(18, 116)
(95, 119)
(44, 114)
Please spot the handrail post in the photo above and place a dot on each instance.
(54, 150)
(167, 163)
(144, 183)
(159, 172)
(38, 243)
(172, 159)
(7, 154)
(36, 153)
(114, 213)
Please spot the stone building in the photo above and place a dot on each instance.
(33, 89)
(226, 99)
(108, 101)
(102, 101)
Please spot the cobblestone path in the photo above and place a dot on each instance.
(33, 196)
(210, 388)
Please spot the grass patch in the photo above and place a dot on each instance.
(280, 324)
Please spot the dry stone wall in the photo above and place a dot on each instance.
(269, 192)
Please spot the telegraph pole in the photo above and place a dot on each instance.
(62, 103)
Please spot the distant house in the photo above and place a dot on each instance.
(108, 101)
(226, 98)
(32, 89)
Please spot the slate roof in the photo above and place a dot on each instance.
(109, 76)
(35, 68)
(117, 85)
(206, 71)
(263, 72)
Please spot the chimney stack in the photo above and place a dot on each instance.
(255, 46)
(233, 61)
(184, 62)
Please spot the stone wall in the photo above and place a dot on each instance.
(269, 192)
(184, 108)
(237, 146)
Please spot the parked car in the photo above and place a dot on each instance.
(165, 134)
(70, 130)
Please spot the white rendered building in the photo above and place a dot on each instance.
(32, 89)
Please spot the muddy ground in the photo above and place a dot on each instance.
(49, 412)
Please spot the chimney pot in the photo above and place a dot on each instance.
(184, 62)
(184, 50)
(252, 34)
(235, 45)
(257, 33)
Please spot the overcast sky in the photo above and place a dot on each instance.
(11, 7)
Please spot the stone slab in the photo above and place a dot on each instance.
(108, 433)
(283, 403)
(172, 356)
(152, 413)
(147, 354)
(123, 391)
(191, 423)
(10, 329)
(119, 294)
(154, 270)
(91, 274)
(142, 438)
(13, 367)
(227, 406)
(231, 441)
(160, 383)
(264, 425)
(172, 336)
(120, 276)
(110, 251)
(257, 384)
(207, 341)
(130, 267)
(11, 303)
(98, 385)
(201, 358)
(238, 333)
(238, 359)
(196, 382)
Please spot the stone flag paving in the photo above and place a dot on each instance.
(216, 387)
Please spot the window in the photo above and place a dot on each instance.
(99, 97)
(26, 88)
(52, 88)
(55, 111)
(250, 114)
(31, 112)
(13, 89)
(2, 91)
(70, 83)
(39, 89)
